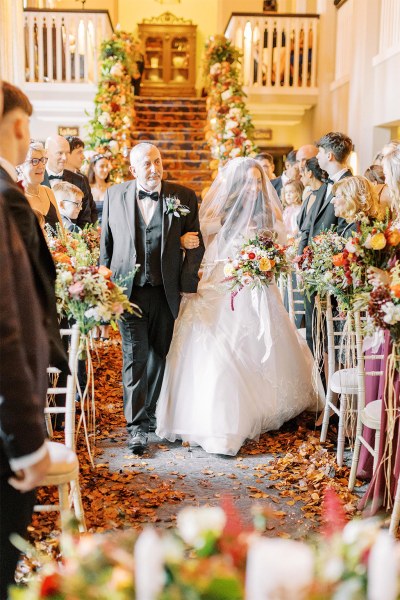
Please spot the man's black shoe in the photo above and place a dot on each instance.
(138, 442)
(152, 425)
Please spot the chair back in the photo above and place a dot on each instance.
(365, 359)
(295, 298)
(69, 390)
(340, 338)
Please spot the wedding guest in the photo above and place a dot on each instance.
(138, 59)
(57, 152)
(266, 160)
(391, 169)
(303, 154)
(291, 172)
(40, 197)
(99, 180)
(24, 344)
(74, 163)
(333, 152)
(312, 178)
(291, 198)
(355, 200)
(376, 176)
(69, 199)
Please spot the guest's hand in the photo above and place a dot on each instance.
(377, 277)
(190, 240)
(29, 478)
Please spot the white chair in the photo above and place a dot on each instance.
(295, 302)
(368, 415)
(64, 470)
(342, 382)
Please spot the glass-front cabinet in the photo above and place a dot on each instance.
(169, 56)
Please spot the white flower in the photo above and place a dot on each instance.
(231, 124)
(195, 523)
(114, 146)
(229, 270)
(226, 95)
(235, 152)
(392, 313)
(215, 69)
(367, 243)
(117, 70)
(104, 119)
(126, 120)
(351, 246)
(245, 256)
(65, 276)
(246, 280)
(173, 549)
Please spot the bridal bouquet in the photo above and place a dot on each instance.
(384, 305)
(256, 263)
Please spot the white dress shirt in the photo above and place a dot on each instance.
(335, 178)
(11, 170)
(147, 205)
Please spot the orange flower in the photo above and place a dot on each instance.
(393, 237)
(105, 272)
(339, 260)
(61, 257)
(396, 290)
(266, 264)
(378, 241)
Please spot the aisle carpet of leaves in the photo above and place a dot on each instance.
(298, 474)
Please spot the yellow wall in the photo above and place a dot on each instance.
(202, 13)
(110, 5)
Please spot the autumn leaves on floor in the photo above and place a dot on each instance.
(283, 475)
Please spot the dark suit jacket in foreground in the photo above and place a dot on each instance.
(24, 349)
(117, 247)
(88, 213)
(41, 262)
(322, 217)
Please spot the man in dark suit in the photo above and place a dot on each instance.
(139, 226)
(74, 164)
(291, 172)
(57, 153)
(24, 349)
(334, 150)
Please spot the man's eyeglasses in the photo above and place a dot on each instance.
(36, 161)
(77, 204)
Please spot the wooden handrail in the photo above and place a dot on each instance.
(71, 10)
(270, 14)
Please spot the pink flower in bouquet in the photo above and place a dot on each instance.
(117, 308)
(76, 289)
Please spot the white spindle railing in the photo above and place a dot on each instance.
(390, 25)
(63, 46)
(279, 51)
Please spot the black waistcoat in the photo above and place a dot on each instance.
(148, 241)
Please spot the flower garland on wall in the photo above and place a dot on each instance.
(114, 113)
(229, 131)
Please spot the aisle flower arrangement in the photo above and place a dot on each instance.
(229, 130)
(256, 263)
(210, 556)
(114, 113)
(384, 305)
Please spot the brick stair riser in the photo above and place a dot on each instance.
(173, 146)
(162, 116)
(165, 108)
(172, 101)
(197, 186)
(187, 175)
(176, 136)
(164, 124)
(192, 165)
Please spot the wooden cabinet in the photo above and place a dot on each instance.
(169, 56)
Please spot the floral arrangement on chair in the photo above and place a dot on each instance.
(256, 263)
(114, 113)
(229, 131)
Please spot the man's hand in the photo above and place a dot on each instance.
(190, 240)
(29, 478)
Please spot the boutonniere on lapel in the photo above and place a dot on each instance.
(174, 207)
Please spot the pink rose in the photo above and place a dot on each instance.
(76, 289)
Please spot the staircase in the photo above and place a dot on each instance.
(176, 127)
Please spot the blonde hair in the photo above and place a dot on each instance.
(360, 197)
(298, 186)
(64, 187)
(391, 168)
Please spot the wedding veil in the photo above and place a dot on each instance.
(240, 201)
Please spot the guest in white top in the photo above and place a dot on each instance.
(292, 193)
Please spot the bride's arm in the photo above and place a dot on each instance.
(210, 226)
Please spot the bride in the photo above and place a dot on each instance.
(232, 375)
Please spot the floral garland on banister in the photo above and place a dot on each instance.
(114, 114)
(229, 130)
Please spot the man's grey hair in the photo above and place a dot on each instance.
(138, 149)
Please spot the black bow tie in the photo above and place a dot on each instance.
(330, 181)
(154, 195)
(55, 177)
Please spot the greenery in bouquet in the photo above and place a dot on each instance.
(84, 290)
(229, 130)
(114, 114)
(256, 263)
(324, 270)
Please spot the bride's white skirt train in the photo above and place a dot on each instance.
(232, 375)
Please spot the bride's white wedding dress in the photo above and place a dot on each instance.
(231, 375)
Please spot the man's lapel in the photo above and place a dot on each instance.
(129, 204)
(46, 181)
(167, 218)
(327, 199)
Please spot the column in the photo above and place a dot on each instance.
(12, 45)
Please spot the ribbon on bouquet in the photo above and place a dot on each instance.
(87, 418)
(392, 417)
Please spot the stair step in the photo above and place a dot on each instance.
(183, 135)
(158, 124)
(190, 165)
(142, 115)
(169, 100)
(175, 146)
(187, 175)
(190, 154)
(171, 108)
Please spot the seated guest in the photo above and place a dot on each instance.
(74, 163)
(69, 200)
(266, 160)
(99, 180)
(291, 199)
(40, 197)
(376, 176)
(291, 172)
(355, 200)
(57, 153)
